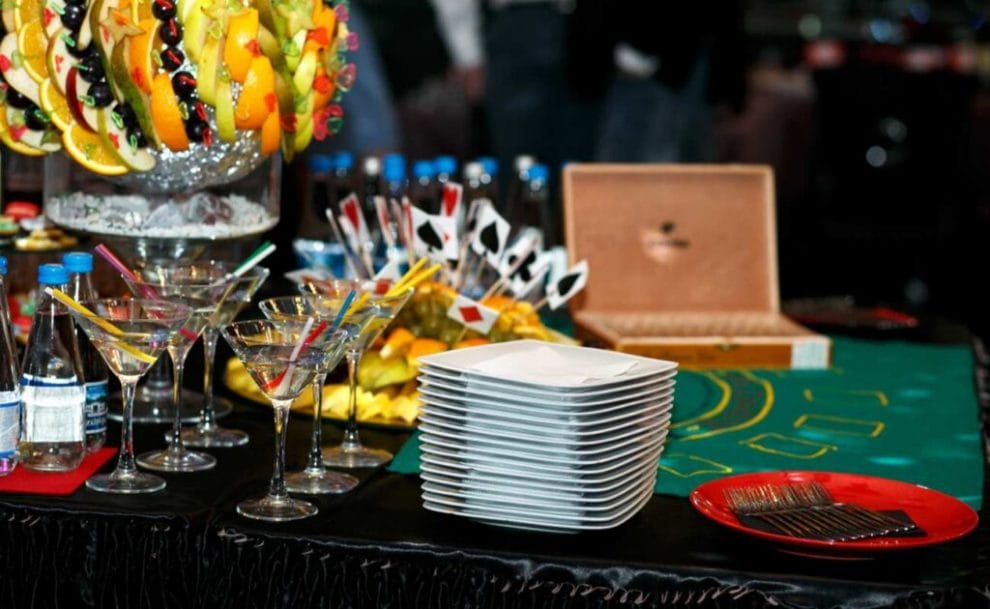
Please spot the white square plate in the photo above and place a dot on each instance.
(513, 390)
(538, 358)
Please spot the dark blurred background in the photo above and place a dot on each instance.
(873, 114)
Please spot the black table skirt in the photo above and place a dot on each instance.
(377, 547)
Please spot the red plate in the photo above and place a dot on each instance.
(943, 518)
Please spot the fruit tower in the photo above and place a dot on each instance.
(117, 82)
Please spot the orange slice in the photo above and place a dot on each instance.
(257, 98)
(26, 11)
(271, 134)
(33, 46)
(242, 44)
(321, 35)
(141, 49)
(166, 114)
(87, 149)
(55, 104)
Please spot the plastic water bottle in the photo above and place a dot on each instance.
(95, 373)
(422, 192)
(10, 389)
(446, 167)
(394, 173)
(53, 398)
(489, 178)
(342, 181)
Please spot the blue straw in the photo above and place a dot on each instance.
(343, 310)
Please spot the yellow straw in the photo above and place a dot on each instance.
(414, 281)
(70, 302)
(412, 270)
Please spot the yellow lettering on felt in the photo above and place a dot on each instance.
(705, 466)
(847, 398)
(840, 425)
(788, 446)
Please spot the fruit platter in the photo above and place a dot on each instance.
(165, 98)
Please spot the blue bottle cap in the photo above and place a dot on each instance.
(344, 160)
(320, 163)
(423, 169)
(490, 164)
(52, 274)
(78, 262)
(394, 159)
(3, 265)
(394, 172)
(539, 173)
(446, 165)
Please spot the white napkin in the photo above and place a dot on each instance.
(545, 366)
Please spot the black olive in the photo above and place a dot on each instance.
(101, 94)
(171, 32)
(139, 138)
(184, 85)
(16, 100)
(72, 16)
(172, 58)
(76, 52)
(127, 116)
(195, 128)
(163, 9)
(35, 118)
(91, 68)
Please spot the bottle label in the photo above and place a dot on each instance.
(53, 409)
(96, 407)
(10, 424)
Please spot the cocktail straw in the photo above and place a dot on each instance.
(70, 302)
(349, 255)
(343, 310)
(412, 282)
(305, 338)
(263, 251)
(130, 276)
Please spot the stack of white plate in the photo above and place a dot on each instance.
(535, 435)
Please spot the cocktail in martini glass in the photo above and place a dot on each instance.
(282, 357)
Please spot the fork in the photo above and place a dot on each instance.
(808, 510)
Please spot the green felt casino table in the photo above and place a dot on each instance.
(889, 409)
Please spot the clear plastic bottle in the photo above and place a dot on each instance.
(533, 210)
(489, 179)
(342, 181)
(514, 191)
(53, 398)
(95, 373)
(422, 191)
(10, 390)
(446, 168)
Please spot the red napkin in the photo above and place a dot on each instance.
(37, 483)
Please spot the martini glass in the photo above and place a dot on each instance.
(282, 357)
(378, 311)
(315, 478)
(236, 295)
(130, 335)
(186, 284)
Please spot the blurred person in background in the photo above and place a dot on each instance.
(673, 66)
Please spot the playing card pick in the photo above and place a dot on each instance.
(450, 204)
(434, 236)
(472, 314)
(569, 284)
(389, 272)
(519, 258)
(350, 207)
(491, 235)
(524, 282)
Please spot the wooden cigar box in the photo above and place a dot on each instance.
(682, 265)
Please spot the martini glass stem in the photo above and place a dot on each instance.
(277, 489)
(351, 439)
(178, 365)
(125, 460)
(207, 416)
(315, 464)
